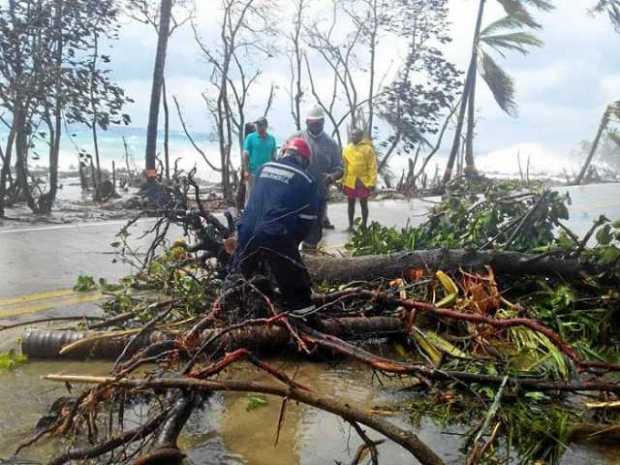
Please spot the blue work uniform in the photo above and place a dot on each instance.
(281, 211)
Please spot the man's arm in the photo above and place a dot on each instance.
(336, 165)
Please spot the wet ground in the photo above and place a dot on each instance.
(38, 266)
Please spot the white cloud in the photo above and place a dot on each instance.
(562, 88)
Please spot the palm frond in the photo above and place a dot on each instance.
(507, 22)
(544, 5)
(499, 82)
(518, 41)
(516, 9)
(612, 7)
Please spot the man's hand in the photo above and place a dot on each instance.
(230, 245)
(328, 178)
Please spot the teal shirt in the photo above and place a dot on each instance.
(260, 150)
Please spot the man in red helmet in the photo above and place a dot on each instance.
(281, 210)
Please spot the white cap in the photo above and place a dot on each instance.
(315, 113)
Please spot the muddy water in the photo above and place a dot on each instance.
(228, 432)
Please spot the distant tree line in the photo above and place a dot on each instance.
(54, 73)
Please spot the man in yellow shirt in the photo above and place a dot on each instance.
(360, 173)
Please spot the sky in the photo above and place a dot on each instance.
(562, 88)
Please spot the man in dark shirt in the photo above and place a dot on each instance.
(325, 167)
(281, 210)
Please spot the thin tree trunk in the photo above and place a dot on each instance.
(48, 200)
(93, 104)
(21, 150)
(470, 82)
(597, 139)
(470, 164)
(158, 78)
(6, 168)
(166, 132)
(298, 65)
(373, 52)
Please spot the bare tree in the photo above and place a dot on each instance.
(245, 30)
(340, 57)
(156, 90)
(296, 57)
(372, 18)
(148, 13)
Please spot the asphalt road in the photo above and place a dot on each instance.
(37, 262)
(48, 258)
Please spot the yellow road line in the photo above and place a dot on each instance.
(36, 296)
(29, 305)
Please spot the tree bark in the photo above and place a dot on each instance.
(394, 265)
(47, 344)
(166, 132)
(158, 78)
(6, 168)
(470, 164)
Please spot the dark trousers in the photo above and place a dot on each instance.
(316, 232)
(280, 258)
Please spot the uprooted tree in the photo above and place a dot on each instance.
(520, 316)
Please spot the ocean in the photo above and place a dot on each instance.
(500, 162)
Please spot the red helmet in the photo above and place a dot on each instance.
(300, 146)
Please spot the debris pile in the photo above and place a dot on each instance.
(494, 310)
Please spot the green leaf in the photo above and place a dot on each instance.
(603, 235)
(609, 255)
(445, 346)
(11, 360)
(85, 283)
(535, 395)
(427, 347)
(256, 401)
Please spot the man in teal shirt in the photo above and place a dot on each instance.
(259, 148)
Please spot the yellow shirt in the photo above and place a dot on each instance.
(360, 162)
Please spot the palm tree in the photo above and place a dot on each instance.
(611, 110)
(502, 36)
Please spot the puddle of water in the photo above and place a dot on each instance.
(225, 432)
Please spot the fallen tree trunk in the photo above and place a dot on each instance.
(406, 438)
(371, 267)
(48, 344)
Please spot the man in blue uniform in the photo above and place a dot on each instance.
(281, 210)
